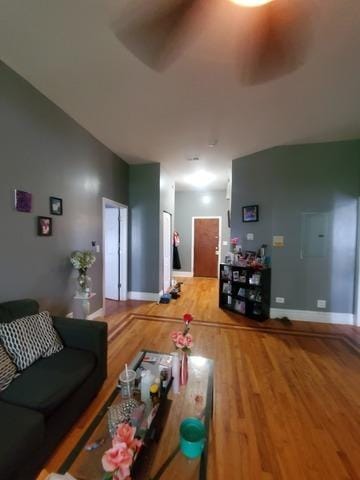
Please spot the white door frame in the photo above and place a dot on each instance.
(357, 270)
(164, 288)
(123, 277)
(193, 238)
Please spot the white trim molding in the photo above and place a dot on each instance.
(148, 296)
(92, 316)
(313, 316)
(357, 272)
(179, 273)
(96, 314)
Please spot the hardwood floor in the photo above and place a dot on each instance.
(287, 397)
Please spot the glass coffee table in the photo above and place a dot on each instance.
(160, 457)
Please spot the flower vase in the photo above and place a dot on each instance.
(84, 284)
(184, 369)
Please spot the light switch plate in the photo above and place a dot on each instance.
(321, 304)
(280, 300)
(225, 242)
(278, 241)
(249, 236)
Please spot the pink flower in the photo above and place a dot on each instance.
(136, 444)
(188, 318)
(188, 340)
(180, 342)
(118, 458)
(175, 335)
(125, 433)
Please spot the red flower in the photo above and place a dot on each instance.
(188, 318)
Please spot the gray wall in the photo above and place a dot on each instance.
(167, 204)
(189, 204)
(285, 182)
(45, 152)
(144, 203)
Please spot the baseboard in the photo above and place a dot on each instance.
(179, 273)
(96, 314)
(92, 316)
(148, 296)
(314, 316)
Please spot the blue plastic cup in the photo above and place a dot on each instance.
(192, 437)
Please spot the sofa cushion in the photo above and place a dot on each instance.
(50, 381)
(22, 434)
(7, 369)
(29, 338)
(17, 309)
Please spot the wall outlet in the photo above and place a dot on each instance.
(321, 304)
(250, 236)
(280, 300)
(225, 242)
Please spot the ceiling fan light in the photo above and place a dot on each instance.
(251, 3)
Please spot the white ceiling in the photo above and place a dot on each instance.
(68, 51)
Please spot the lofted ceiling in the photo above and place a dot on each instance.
(68, 50)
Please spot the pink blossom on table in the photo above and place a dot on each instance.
(118, 458)
(175, 335)
(234, 241)
(188, 340)
(125, 433)
(118, 476)
(135, 444)
(180, 342)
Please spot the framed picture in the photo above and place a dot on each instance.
(44, 225)
(23, 201)
(56, 206)
(250, 213)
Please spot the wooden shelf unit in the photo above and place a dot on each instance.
(245, 290)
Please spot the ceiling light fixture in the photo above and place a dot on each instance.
(206, 199)
(199, 179)
(251, 3)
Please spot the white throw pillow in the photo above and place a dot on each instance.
(29, 338)
(7, 369)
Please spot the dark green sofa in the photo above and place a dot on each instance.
(42, 404)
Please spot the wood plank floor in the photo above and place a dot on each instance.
(287, 397)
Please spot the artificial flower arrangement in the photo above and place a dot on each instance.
(82, 260)
(118, 460)
(183, 340)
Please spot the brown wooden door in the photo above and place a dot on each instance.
(206, 245)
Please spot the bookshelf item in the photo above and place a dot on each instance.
(245, 290)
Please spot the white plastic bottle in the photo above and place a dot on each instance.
(147, 379)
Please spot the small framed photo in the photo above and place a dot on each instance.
(23, 201)
(56, 206)
(44, 225)
(250, 213)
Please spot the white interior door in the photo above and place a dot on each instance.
(111, 251)
(167, 250)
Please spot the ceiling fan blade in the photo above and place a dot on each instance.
(157, 31)
(278, 43)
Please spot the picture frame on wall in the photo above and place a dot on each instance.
(22, 201)
(44, 226)
(250, 213)
(56, 206)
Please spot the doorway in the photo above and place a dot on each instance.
(206, 246)
(167, 251)
(115, 228)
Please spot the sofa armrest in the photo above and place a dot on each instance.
(85, 335)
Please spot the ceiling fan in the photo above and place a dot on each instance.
(157, 31)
